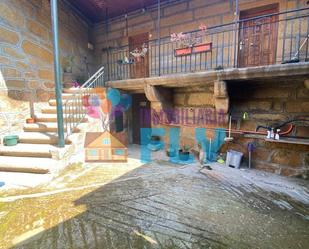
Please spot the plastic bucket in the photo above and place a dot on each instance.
(233, 158)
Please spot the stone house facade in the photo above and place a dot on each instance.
(267, 94)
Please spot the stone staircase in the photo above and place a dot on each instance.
(37, 150)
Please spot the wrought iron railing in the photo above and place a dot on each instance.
(75, 108)
(287, 42)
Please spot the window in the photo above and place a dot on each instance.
(93, 152)
(106, 141)
(119, 152)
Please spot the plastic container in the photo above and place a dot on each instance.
(10, 140)
(233, 158)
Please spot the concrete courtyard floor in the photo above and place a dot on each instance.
(156, 205)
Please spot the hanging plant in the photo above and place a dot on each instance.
(139, 53)
(191, 42)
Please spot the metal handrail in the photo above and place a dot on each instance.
(73, 109)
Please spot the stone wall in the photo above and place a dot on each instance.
(26, 51)
(269, 103)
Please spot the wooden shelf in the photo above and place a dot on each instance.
(281, 140)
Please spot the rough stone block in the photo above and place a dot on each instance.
(35, 50)
(297, 106)
(201, 99)
(46, 74)
(179, 99)
(15, 84)
(11, 15)
(13, 53)
(222, 105)
(286, 157)
(8, 36)
(220, 89)
(10, 72)
(37, 29)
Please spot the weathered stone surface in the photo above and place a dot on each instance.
(49, 85)
(220, 89)
(4, 60)
(269, 117)
(8, 36)
(11, 14)
(33, 84)
(10, 72)
(30, 74)
(298, 106)
(15, 53)
(15, 83)
(179, 99)
(35, 50)
(46, 74)
(201, 99)
(22, 65)
(286, 157)
(266, 167)
(294, 172)
(43, 95)
(222, 105)
(37, 29)
(261, 154)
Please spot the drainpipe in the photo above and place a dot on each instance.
(57, 72)
(235, 32)
(159, 34)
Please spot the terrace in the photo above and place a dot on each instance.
(270, 39)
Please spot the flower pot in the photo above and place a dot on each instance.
(155, 140)
(10, 140)
(184, 155)
(30, 120)
(171, 153)
(183, 51)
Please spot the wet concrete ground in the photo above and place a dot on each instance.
(157, 205)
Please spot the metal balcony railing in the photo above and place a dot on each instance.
(264, 40)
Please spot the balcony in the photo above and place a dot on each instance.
(280, 38)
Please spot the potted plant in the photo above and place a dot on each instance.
(154, 139)
(184, 153)
(68, 64)
(171, 151)
(139, 53)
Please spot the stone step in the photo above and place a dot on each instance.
(53, 110)
(77, 90)
(43, 127)
(39, 138)
(52, 102)
(28, 164)
(28, 150)
(43, 117)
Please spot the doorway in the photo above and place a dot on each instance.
(140, 67)
(258, 37)
(141, 116)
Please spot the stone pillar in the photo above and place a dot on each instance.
(221, 97)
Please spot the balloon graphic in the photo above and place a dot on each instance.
(93, 111)
(85, 100)
(117, 110)
(125, 101)
(106, 106)
(113, 95)
(94, 100)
